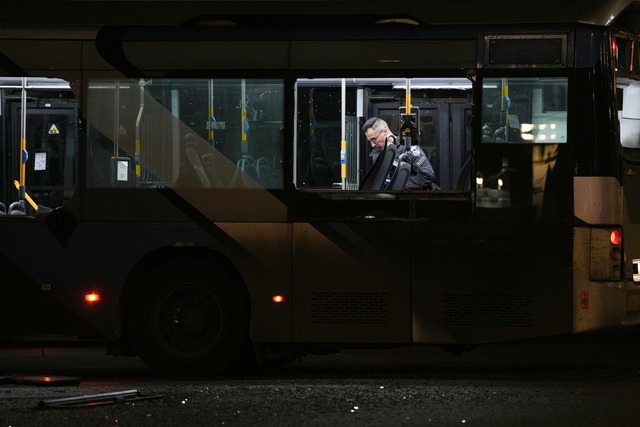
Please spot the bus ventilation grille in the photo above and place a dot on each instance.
(488, 310)
(361, 308)
(525, 51)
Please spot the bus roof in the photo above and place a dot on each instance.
(171, 12)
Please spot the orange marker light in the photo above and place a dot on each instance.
(92, 297)
(277, 298)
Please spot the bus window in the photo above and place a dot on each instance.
(435, 103)
(319, 134)
(524, 126)
(194, 133)
(524, 110)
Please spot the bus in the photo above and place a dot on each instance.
(200, 192)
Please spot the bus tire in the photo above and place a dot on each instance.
(189, 319)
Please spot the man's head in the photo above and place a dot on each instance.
(376, 130)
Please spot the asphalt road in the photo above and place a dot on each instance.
(585, 380)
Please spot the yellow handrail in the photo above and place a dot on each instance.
(26, 196)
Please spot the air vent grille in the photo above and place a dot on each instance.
(363, 308)
(525, 51)
(495, 310)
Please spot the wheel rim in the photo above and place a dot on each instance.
(187, 320)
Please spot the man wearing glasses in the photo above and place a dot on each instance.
(378, 134)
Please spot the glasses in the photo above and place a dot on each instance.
(372, 140)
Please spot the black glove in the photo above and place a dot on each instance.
(406, 157)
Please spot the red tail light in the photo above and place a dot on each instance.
(616, 237)
(92, 297)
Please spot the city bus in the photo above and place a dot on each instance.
(200, 193)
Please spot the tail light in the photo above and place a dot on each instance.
(605, 251)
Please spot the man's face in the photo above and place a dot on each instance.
(376, 137)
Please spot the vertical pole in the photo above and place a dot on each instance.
(138, 123)
(504, 106)
(343, 144)
(211, 119)
(116, 119)
(175, 133)
(244, 124)
(407, 109)
(357, 151)
(312, 119)
(407, 98)
(24, 155)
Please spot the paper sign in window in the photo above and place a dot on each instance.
(40, 162)
(123, 170)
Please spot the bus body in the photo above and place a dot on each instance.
(211, 190)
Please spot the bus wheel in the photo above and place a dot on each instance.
(187, 318)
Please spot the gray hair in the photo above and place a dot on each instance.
(374, 123)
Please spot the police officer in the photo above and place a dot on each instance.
(422, 176)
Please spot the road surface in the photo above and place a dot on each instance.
(586, 380)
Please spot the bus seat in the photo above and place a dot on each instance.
(464, 179)
(263, 169)
(17, 208)
(246, 173)
(209, 164)
(400, 177)
(193, 156)
(376, 177)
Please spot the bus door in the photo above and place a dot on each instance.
(629, 106)
(514, 253)
(631, 187)
(51, 146)
(30, 254)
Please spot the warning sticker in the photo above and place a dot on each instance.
(53, 130)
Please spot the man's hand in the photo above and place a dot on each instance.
(406, 157)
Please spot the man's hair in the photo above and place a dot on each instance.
(374, 123)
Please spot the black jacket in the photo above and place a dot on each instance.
(422, 175)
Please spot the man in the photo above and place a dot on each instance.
(422, 176)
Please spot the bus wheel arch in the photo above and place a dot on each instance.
(187, 313)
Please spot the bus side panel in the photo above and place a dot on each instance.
(351, 282)
(259, 252)
(45, 275)
(35, 273)
(596, 305)
(487, 282)
(262, 254)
